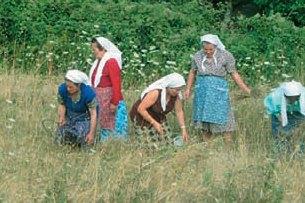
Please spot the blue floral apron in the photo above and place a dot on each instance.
(211, 101)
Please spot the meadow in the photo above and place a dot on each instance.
(41, 40)
(34, 169)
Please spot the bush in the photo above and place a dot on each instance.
(156, 37)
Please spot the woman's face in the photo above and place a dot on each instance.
(98, 53)
(173, 92)
(209, 49)
(72, 87)
(292, 99)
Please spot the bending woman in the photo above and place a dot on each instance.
(160, 98)
(77, 111)
(286, 107)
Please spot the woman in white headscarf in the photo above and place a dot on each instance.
(105, 78)
(211, 107)
(286, 106)
(157, 100)
(77, 111)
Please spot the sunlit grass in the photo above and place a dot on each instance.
(32, 168)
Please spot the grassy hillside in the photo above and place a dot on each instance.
(32, 168)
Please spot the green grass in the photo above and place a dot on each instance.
(33, 169)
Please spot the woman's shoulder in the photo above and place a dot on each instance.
(62, 88)
(111, 61)
(153, 93)
(225, 53)
(198, 54)
(275, 96)
(87, 91)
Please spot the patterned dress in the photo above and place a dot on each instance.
(77, 124)
(211, 106)
(143, 128)
(108, 91)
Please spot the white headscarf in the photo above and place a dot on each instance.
(173, 80)
(213, 39)
(111, 52)
(292, 88)
(77, 76)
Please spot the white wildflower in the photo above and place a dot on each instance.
(152, 48)
(171, 63)
(285, 75)
(156, 63)
(136, 55)
(89, 60)
(267, 63)
(12, 120)
(9, 101)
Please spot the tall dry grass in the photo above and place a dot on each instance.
(33, 169)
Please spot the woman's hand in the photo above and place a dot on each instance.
(61, 115)
(185, 135)
(159, 128)
(61, 121)
(239, 81)
(90, 138)
(187, 93)
(113, 108)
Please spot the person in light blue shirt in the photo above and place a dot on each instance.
(286, 107)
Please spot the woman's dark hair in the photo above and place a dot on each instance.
(99, 46)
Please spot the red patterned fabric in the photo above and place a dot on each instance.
(106, 117)
(111, 77)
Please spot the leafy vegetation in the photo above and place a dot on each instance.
(156, 37)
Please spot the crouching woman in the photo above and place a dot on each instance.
(286, 107)
(157, 100)
(77, 111)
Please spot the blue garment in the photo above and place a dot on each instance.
(294, 120)
(283, 135)
(77, 124)
(74, 131)
(211, 101)
(121, 124)
(87, 95)
(273, 103)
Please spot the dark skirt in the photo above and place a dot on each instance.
(294, 120)
(75, 129)
(283, 136)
